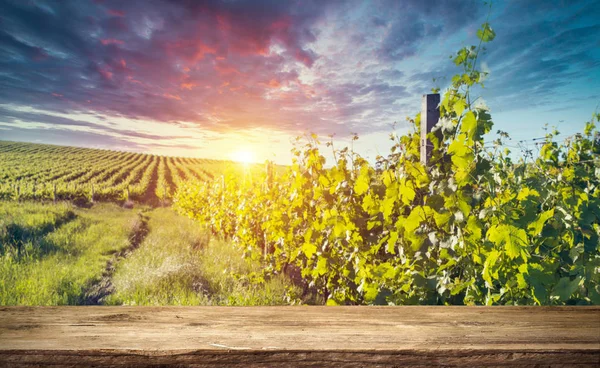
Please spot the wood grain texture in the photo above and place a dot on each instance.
(300, 336)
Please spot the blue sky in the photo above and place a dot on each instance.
(208, 78)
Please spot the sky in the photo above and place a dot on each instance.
(219, 77)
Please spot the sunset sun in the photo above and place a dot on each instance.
(244, 156)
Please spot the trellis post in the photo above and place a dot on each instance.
(430, 114)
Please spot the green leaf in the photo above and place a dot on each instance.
(469, 125)
(391, 244)
(513, 239)
(462, 164)
(594, 294)
(413, 221)
(442, 219)
(368, 203)
(309, 249)
(565, 288)
(339, 229)
(407, 194)
(486, 33)
(321, 266)
(370, 292)
(385, 271)
(535, 228)
(527, 192)
(474, 228)
(387, 206)
(461, 56)
(332, 302)
(361, 186)
(458, 148)
(388, 177)
(459, 107)
(490, 272)
(363, 181)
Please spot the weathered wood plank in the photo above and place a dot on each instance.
(304, 336)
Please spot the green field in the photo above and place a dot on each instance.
(45, 172)
(89, 226)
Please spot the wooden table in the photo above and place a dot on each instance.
(300, 336)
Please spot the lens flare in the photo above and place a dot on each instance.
(243, 156)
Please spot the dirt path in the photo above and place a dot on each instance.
(97, 293)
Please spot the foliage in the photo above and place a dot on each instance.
(474, 227)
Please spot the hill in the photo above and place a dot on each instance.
(49, 172)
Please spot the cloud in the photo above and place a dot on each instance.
(537, 62)
(14, 117)
(62, 136)
(287, 66)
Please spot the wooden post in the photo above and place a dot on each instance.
(127, 193)
(93, 193)
(430, 114)
(54, 194)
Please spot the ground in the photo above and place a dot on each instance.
(59, 254)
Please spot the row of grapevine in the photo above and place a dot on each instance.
(46, 172)
(163, 187)
(473, 227)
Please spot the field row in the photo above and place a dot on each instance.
(46, 172)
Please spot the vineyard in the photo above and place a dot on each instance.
(472, 225)
(45, 172)
(446, 217)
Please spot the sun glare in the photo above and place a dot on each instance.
(243, 156)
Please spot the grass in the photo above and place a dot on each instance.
(23, 223)
(59, 257)
(56, 254)
(178, 264)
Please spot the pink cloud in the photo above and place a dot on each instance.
(105, 73)
(225, 70)
(133, 80)
(173, 97)
(188, 86)
(115, 13)
(304, 57)
(111, 41)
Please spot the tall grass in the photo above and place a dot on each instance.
(57, 255)
(22, 223)
(57, 265)
(178, 264)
